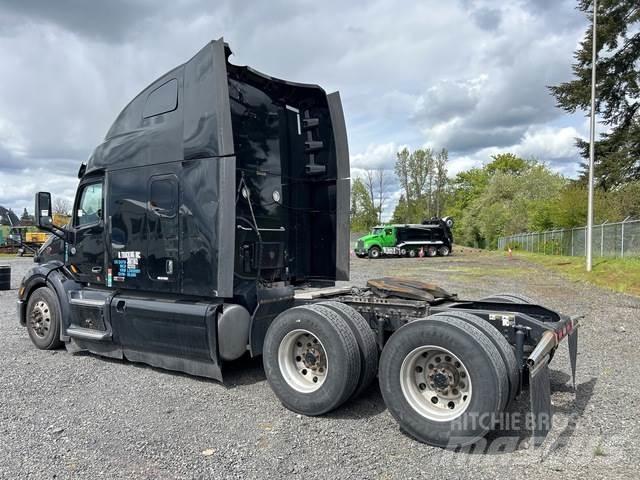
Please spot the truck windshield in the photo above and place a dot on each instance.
(377, 231)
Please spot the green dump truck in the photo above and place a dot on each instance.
(430, 238)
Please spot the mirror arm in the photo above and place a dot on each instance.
(55, 230)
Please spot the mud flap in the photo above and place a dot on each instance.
(573, 353)
(540, 393)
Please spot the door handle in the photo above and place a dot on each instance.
(96, 270)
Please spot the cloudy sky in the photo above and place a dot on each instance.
(466, 75)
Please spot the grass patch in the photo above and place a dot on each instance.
(619, 274)
(598, 451)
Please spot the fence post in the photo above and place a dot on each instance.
(602, 238)
(572, 240)
(622, 238)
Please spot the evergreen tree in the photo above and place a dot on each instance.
(617, 89)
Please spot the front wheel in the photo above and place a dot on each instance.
(443, 381)
(43, 319)
(375, 252)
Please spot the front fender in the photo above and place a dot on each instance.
(36, 277)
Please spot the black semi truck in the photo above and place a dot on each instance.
(212, 223)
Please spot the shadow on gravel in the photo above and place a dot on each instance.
(242, 372)
(368, 404)
(574, 408)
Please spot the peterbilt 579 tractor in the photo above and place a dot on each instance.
(212, 223)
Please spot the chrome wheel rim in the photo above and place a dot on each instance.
(303, 361)
(435, 383)
(40, 319)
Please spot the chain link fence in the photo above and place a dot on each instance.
(620, 239)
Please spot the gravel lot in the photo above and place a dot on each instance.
(80, 416)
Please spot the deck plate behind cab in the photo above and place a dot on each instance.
(408, 288)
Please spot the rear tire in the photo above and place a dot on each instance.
(375, 252)
(366, 343)
(444, 251)
(413, 253)
(431, 251)
(501, 343)
(311, 359)
(468, 363)
(43, 319)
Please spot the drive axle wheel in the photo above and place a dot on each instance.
(366, 343)
(443, 381)
(302, 360)
(444, 251)
(43, 319)
(431, 251)
(435, 383)
(505, 350)
(311, 359)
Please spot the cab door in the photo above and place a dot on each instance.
(144, 229)
(86, 254)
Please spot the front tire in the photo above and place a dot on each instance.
(443, 381)
(375, 252)
(43, 319)
(311, 359)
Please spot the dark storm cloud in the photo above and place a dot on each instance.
(110, 20)
(487, 18)
(466, 75)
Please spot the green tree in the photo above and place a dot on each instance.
(617, 89)
(508, 163)
(422, 175)
(363, 213)
(508, 195)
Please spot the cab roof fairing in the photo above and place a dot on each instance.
(127, 134)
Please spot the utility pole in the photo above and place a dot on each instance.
(592, 135)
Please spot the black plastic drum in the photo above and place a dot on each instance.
(5, 277)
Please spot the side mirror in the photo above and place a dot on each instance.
(43, 210)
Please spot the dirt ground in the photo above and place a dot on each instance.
(81, 416)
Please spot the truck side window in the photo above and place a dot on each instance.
(388, 231)
(90, 205)
(162, 100)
